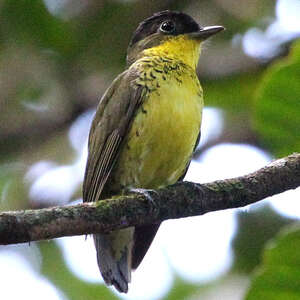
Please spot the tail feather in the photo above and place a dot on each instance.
(114, 253)
(143, 237)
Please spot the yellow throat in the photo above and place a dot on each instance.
(180, 48)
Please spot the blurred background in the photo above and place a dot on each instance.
(57, 57)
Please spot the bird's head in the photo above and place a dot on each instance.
(172, 34)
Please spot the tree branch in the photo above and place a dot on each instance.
(179, 200)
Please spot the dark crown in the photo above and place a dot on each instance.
(183, 24)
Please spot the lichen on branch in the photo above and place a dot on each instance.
(180, 200)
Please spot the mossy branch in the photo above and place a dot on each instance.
(180, 200)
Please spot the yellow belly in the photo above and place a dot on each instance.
(163, 135)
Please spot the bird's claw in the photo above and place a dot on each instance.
(146, 193)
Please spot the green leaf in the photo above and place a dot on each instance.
(277, 112)
(279, 277)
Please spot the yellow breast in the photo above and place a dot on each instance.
(164, 132)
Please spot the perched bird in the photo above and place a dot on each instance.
(145, 130)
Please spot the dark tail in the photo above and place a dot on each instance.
(114, 253)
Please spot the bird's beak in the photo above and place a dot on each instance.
(205, 32)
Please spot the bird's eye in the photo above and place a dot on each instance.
(167, 27)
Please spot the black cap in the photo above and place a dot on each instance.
(181, 23)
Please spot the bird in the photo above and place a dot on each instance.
(145, 130)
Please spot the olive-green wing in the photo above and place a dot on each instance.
(109, 127)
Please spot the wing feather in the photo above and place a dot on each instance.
(111, 123)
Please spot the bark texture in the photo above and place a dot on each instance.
(176, 201)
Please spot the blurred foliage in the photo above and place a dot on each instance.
(56, 62)
(239, 99)
(182, 289)
(278, 105)
(255, 228)
(54, 268)
(26, 21)
(278, 277)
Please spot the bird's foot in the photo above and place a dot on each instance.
(146, 193)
